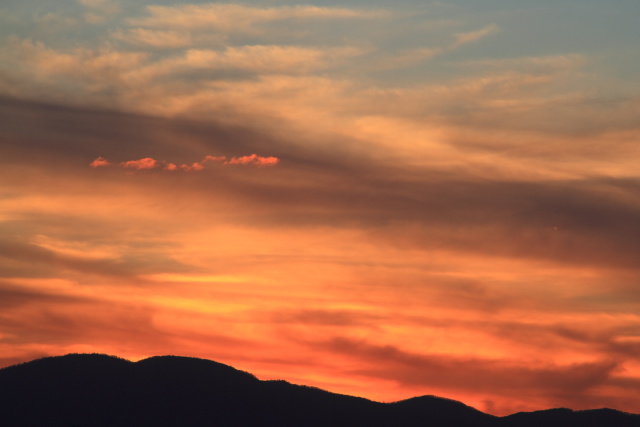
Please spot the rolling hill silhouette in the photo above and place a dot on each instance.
(92, 390)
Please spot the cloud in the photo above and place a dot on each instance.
(419, 207)
(327, 317)
(413, 207)
(246, 60)
(63, 316)
(45, 260)
(239, 18)
(412, 57)
(149, 163)
(14, 296)
(433, 234)
(154, 38)
(146, 163)
(100, 161)
(87, 70)
(253, 160)
(473, 36)
(215, 159)
(540, 384)
(101, 10)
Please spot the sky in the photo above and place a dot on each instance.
(383, 199)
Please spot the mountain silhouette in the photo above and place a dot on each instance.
(93, 390)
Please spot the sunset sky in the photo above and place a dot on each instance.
(379, 198)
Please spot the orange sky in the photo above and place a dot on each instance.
(365, 215)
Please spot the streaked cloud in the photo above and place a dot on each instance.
(240, 18)
(154, 38)
(411, 57)
(99, 10)
(474, 36)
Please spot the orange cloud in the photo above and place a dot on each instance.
(146, 163)
(151, 163)
(100, 161)
(253, 160)
(192, 167)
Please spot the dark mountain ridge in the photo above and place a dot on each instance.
(97, 390)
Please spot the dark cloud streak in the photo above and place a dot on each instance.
(588, 221)
(46, 261)
(569, 383)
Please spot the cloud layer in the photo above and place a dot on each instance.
(447, 202)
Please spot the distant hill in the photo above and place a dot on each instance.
(91, 390)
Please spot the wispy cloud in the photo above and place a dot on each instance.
(572, 384)
(411, 57)
(99, 10)
(474, 36)
(240, 18)
(155, 38)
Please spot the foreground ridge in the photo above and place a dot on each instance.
(98, 390)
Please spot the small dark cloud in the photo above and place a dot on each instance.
(59, 321)
(12, 295)
(27, 258)
(326, 317)
(605, 340)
